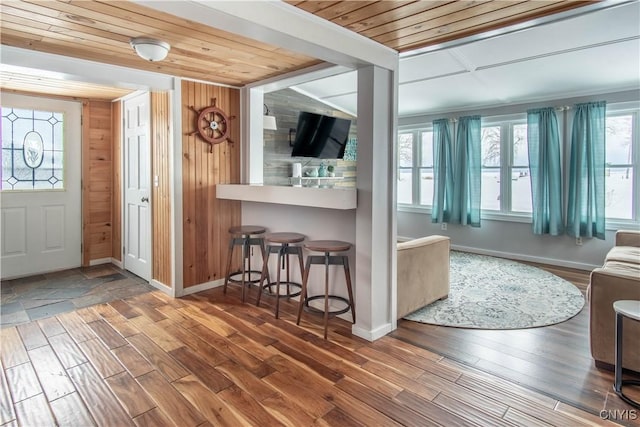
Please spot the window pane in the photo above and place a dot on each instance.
(520, 147)
(427, 149)
(490, 189)
(32, 149)
(618, 140)
(619, 192)
(426, 187)
(405, 186)
(405, 150)
(520, 190)
(491, 146)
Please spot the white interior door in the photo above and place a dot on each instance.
(137, 180)
(40, 201)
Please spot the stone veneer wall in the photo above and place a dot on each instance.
(285, 105)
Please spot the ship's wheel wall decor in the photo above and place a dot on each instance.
(212, 125)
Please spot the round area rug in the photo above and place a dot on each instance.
(495, 293)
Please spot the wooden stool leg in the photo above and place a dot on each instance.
(347, 275)
(303, 294)
(326, 293)
(229, 257)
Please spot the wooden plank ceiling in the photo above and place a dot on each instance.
(101, 30)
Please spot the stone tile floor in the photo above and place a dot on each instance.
(45, 295)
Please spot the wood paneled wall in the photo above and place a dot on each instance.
(206, 219)
(116, 205)
(161, 190)
(97, 180)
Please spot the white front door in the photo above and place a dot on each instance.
(137, 180)
(41, 194)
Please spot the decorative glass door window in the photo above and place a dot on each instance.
(32, 150)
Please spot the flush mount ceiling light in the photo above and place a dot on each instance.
(150, 49)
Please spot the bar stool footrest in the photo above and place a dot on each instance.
(623, 396)
(311, 309)
(248, 273)
(266, 289)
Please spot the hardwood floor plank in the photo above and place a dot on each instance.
(88, 314)
(583, 417)
(71, 411)
(175, 406)
(101, 358)
(7, 411)
(473, 414)
(124, 309)
(308, 360)
(243, 328)
(210, 405)
(157, 332)
(246, 380)
(132, 361)
(51, 374)
(198, 345)
(177, 317)
(429, 410)
(51, 326)
(23, 383)
(67, 350)
(337, 417)
(123, 326)
(250, 408)
(252, 347)
(395, 377)
(76, 327)
(101, 403)
(390, 408)
(206, 373)
(13, 351)
(150, 312)
(34, 411)
(32, 335)
(165, 364)
(302, 390)
(522, 419)
(361, 411)
(132, 397)
(368, 379)
(216, 325)
(393, 363)
(154, 418)
(109, 337)
(287, 411)
(233, 352)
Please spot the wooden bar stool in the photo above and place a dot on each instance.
(326, 246)
(283, 248)
(244, 236)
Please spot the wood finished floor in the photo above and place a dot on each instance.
(209, 360)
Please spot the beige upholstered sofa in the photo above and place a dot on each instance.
(423, 272)
(617, 279)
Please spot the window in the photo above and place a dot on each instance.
(506, 185)
(32, 150)
(415, 167)
(621, 166)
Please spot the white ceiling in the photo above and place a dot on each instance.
(589, 54)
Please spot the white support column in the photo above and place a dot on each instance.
(375, 227)
(252, 135)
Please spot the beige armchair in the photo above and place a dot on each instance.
(423, 272)
(617, 279)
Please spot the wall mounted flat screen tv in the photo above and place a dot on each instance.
(320, 136)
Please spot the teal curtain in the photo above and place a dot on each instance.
(468, 173)
(585, 210)
(546, 175)
(442, 171)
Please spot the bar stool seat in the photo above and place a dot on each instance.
(282, 246)
(327, 247)
(244, 236)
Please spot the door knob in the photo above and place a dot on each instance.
(145, 199)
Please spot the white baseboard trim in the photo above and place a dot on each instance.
(116, 262)
(163, 288)
(521, 257)
(202, 287)
(100, 261)
(373, 334)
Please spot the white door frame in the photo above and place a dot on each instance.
(123, 183)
